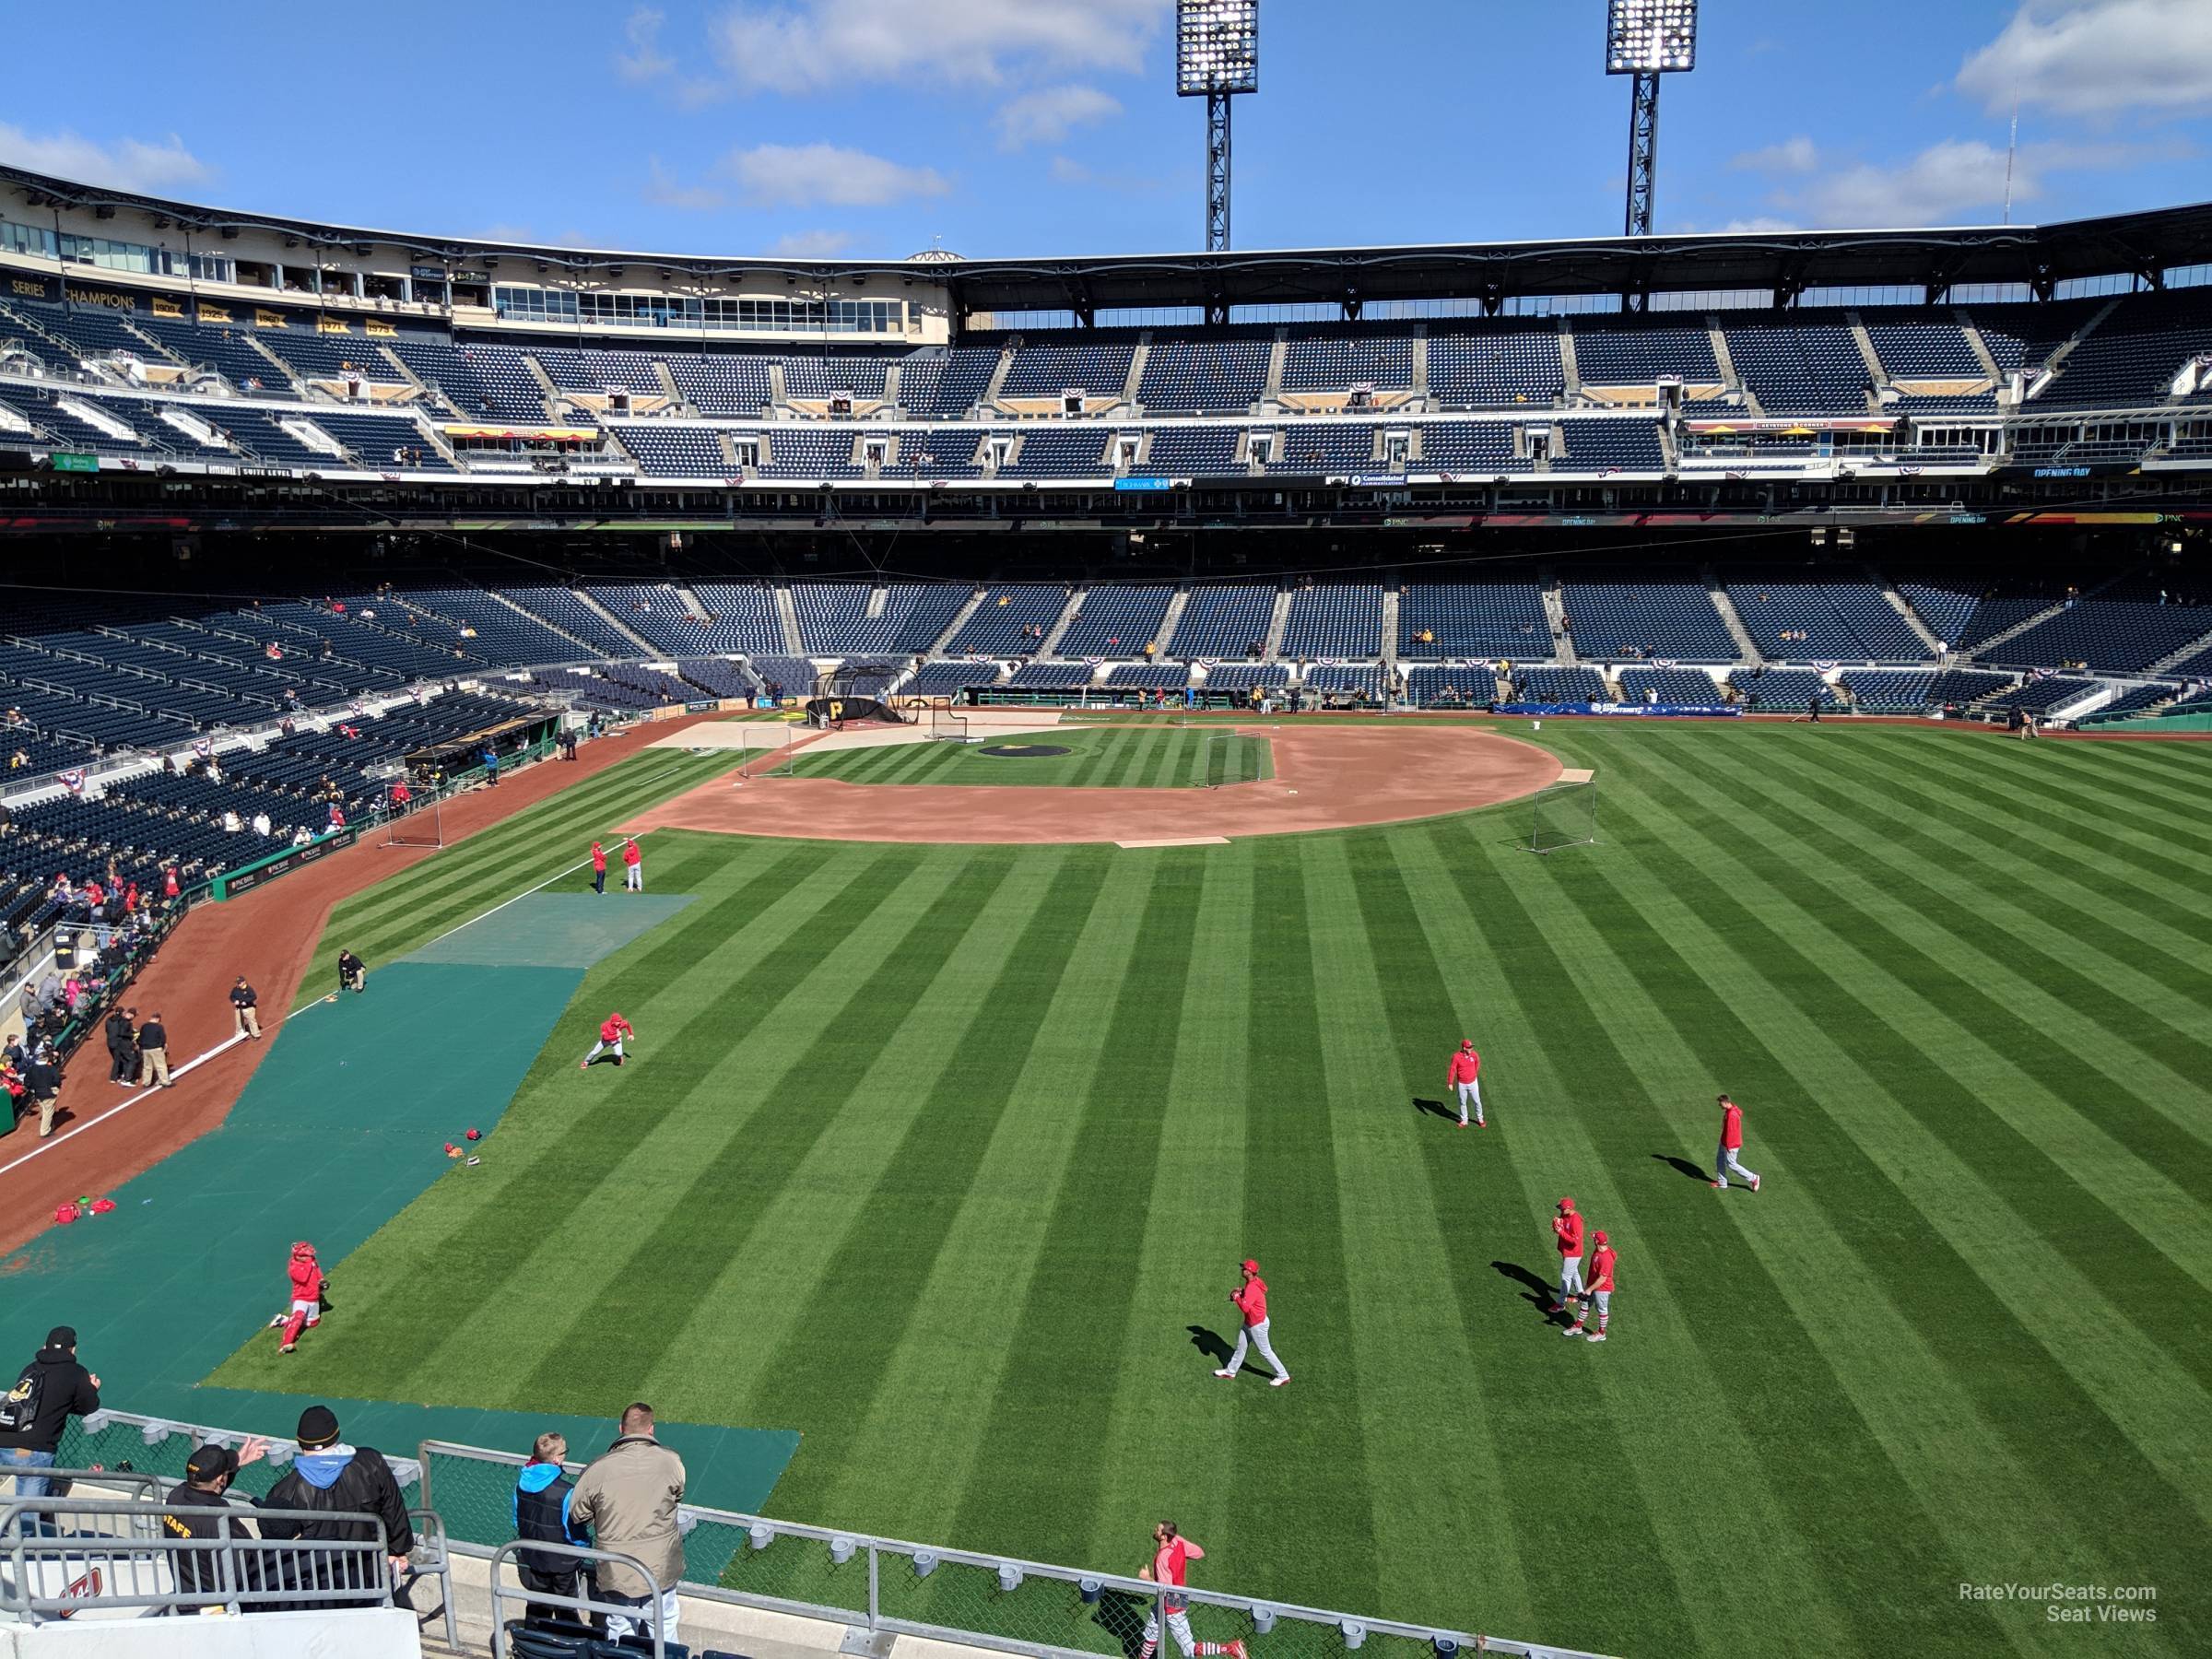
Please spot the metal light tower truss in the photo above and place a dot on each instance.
(1217, 56)
(1646, 39)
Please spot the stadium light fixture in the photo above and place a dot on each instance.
(1217, 57)
(1646, 39)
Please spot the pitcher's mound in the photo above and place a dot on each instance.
(1024, 751)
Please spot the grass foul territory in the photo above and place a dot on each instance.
(946, 1157)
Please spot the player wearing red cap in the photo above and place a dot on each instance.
(1466, 1067)
(306, 1274)
(1250, 1300)
(611, 1033)
(1567, 1227)
(1601, 1289)
(1731, 1143)
(1172, 1557)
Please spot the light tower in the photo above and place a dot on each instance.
(1647, 39)
(1217, 56)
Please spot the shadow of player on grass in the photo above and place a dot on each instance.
(1538, 1292)
(1122, 1616)
(1212, 1343)
(1434, 1109)
(1684, 1165)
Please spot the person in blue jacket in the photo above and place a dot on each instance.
(542, 1491)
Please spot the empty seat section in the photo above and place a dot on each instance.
(1216, 376)
(587, 371)
(2122, 629)
(330, 357)
(1617, 445)
(1830, 621)
(795, 452)
(1914, 347)
(1467, 446)
(1208, 451)
(1325, 447)
(374, 439)
(1558, 686)
(2133, 356)
(498, 633)
(1689, 687)
(480, 381)
(726, 382)
(947, 382)
(1334, 620)
(1637, 354)
(1627, 619)
(1486, 620)
(1236, 679)
(948, 678)
(674, 452)
(833, 375)
(1012, 621)
(1798, 368)
(1045, 367)
(1781, 690)
(560, 608)
(1117, 622)
(1474, 686)
(222, 346)
(1888, 690)
(1060, 453)
(1355, 680)
(1224, 621)
(1335, 363)
(1478, 366)
(1147, 676)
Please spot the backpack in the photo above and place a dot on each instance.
(19, 1405)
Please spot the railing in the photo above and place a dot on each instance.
(650, 1615)
(890, 1585)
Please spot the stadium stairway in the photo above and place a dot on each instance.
(1554, 618)
(1729, 377)
(2183, 655)
(1277, 619)
(960, 619)
(1898, 604)
(1390, 632)
(1171, 620)
(1736, 630)
(787, 617)
(1050, 646)
(644, 646)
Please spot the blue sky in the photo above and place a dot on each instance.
(876, 127)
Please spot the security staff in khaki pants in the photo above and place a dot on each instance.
(243, 1009)
(42, 1082)
(153, 1053)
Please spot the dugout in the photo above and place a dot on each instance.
(453, 754)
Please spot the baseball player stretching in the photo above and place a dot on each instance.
(1250, 1300)
(1467, 1066)
(1567, 1227)
(1601, 1289)
(611, 1034)
(1172, 1557)
(1732, 1142)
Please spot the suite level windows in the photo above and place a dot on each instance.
(567, 307)
(39, 241)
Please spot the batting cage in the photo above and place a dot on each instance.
(854, 693)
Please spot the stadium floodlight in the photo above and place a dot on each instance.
(1217, 56)
(1646, 39)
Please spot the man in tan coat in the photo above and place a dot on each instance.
(628, 1497)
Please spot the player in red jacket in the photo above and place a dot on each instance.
(598, 868)
(1731, 1143)
(612, 1030)
(306, 1295)
(1466, 1067)
(1168, 1568)
(1601, 1291)
(1251, 1301)
(1567, 1227)
(633, 866)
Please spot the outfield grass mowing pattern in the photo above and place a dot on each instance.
(1099, 756)
(945, 1156)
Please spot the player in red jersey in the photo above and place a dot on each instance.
(1731, 1143)
(1172, 1557)
(306, 1274)
(1251, 1301)
(611, 1034)
(1601, 1289)
(1466, 1067)
(1567, 1227)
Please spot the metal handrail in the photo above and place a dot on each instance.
(505, 1554)
(761, 1530)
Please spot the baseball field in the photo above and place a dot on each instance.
(945, 1157)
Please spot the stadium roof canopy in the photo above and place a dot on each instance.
(1788, 263)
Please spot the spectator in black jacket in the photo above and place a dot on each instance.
(329, 1475)
(541, 1515)
(245, 1009)
(53, 1389)
(122, 1047)
(153, 1053)
(207, 1475)
(42, 1083)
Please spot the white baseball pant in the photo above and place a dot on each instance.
(1179, 1627)
(1256, 1335)
(1726, 1161)
(1470, 1092)
(599, 1048)
(1571, 1277)
(633, 877)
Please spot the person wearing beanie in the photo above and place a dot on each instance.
(53, 1388)
(207, 1475)
(542, 1495)
(329, 1475)
(1249, 1299)
(1567, 1227)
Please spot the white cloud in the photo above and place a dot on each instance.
(1950, 183)
(1758, 224)
(1049, 113)
(644, 61)
(808, 46)
(811, 245)
(800, 175)
(1791, 156)
(663, 191)
(126, 164)
(2096, 58)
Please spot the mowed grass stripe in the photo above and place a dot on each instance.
(1392, 990)
(1305, 1442)
(1873, 1531)
(1747, 1540)
(2032, 947)
(831, 1367)
(2024, 1395)
(552, 1159)
(761, 1295)
(1080, 1297)
(2126, 1140)
(2134, 772)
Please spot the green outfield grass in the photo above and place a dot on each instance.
(1119, 757)
(946, 1157)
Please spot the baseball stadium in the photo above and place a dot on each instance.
(698, 945)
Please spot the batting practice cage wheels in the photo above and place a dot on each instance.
(1564, 816)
